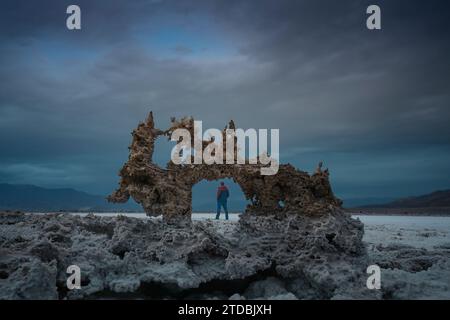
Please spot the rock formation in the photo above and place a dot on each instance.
(270, 256)
(261, 257)
(305, 248)
(168, 191)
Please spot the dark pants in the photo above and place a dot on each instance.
(224, 205)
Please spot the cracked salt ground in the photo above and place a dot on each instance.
(420, 232)
(123, 257)
(271, 256)
(414, 254)
(309, 245)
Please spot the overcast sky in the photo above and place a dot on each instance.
(373, 105)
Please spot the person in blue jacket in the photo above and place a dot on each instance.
(222, 197)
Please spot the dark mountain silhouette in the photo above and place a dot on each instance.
(34, 198)
(435, 199)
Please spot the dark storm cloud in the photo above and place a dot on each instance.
(336, 76)
(373, 104)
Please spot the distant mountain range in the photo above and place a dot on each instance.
(33, 198)
(435, 199)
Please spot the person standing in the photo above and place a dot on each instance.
(222, 197)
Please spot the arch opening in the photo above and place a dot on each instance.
(162, 151)
(204, 201)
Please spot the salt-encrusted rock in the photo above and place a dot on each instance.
(293, 235)
(285, 296)
(25, 277)
(130, 284)
(413, 273)
(168, 191)
(269, 287)
(262, 257)
(293, 241)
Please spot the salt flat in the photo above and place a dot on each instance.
(416, 231)
(195, 216)
(413, 252)
(421, 232)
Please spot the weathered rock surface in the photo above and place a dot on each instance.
(293, 241)
(413, 273)
(168, 191)
(263, 257)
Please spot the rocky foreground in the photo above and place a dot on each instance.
(259, 257)
(268, 257)
(414, 254)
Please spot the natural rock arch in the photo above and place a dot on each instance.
(168, 191)
(204, 192)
